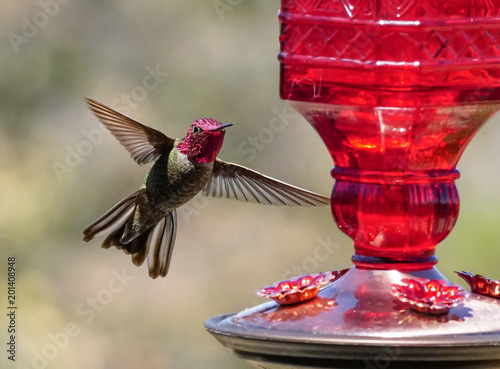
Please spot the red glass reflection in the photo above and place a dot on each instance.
(294, 313)
(371, 307)
(396, 90)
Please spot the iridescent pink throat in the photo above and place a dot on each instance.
(202, 147)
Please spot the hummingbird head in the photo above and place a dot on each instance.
(204, 140)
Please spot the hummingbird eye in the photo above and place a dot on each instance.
(196, 129)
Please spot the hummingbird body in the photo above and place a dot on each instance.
(174, 179)
(144, 224)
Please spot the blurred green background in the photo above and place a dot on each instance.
(59, 172)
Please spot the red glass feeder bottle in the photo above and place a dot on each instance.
(396, 89)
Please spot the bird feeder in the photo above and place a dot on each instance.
(396, 89)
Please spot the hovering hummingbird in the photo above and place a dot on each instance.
(144, 224)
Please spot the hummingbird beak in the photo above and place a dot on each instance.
(221, 127)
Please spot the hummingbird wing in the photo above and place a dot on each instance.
(144, 143)
(234, 181)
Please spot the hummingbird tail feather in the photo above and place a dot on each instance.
(160, 245)
(154, 244)
(111, 222)
(114, 223)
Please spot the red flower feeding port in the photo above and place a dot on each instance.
(299, 289)
(482, 285)
(430, 297)
(396, 89)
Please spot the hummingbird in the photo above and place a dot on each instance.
(144, 224)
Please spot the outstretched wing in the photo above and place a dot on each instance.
(234, 181)
(144, 143)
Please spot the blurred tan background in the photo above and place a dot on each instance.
(167, 63)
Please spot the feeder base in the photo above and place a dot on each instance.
(357, 323)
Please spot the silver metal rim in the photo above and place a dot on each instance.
(465, 347)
